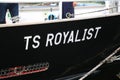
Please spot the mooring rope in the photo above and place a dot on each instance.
(100, 64)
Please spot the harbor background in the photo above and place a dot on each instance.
(38, 12)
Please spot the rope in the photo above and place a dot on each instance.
(100, 64)
(97, 10)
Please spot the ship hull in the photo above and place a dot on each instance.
(50, 51)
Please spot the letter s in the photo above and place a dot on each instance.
(36, 41)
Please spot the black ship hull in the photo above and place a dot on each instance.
(58, 50)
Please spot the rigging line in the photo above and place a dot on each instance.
(96, 11)
(100, 64)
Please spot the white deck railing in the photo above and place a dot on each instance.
(107, 3)
(35, 1)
